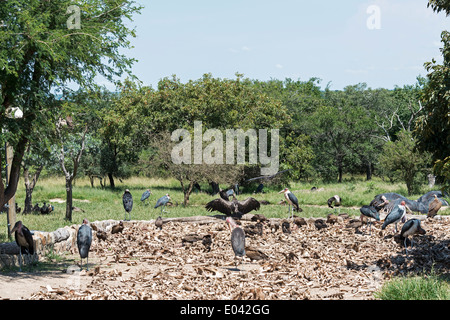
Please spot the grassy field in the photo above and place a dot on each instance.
(103, 204)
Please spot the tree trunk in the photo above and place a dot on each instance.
(69, 199)
(111, 180)
(215, 187)
(368, 171)
(340, 172)
(29, 187)
(187, 193)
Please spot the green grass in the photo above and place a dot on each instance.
(104, 204)
(419, 287)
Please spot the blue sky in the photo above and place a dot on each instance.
(287, 39)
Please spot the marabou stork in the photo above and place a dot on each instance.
(237, 238)
(162, 202)
(291, 200)
(434, 207)
(410, 228)
(372, 211)
(127, 200)
(24, 239)
(236, 207)
(84, 240)
(397, 214)
(145, 195)
(337, 202)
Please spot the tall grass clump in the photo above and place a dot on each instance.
(419, 287)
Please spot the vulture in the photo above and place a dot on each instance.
(24, 239)
(159, 223)
(233, 207)
(286, 227)
(117, 228)
(434, 207)
(254, 229)
(410, 228)
(255, 254)
(127, 200)
(84, 240)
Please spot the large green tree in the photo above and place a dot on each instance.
(433, 127)
(47, 45)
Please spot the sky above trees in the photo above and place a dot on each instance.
(267, 40)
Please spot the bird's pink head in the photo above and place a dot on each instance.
(403, 203)
(85, 221)
(17, 226)
(284, 190)
(231, 223)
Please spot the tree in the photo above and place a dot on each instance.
(433, 127)
(42, 50)
(221, 104)
(402, 158)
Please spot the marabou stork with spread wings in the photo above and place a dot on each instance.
(236, 207)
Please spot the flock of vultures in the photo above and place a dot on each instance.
(392, 205)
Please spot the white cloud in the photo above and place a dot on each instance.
(245, 48)
(279, 66)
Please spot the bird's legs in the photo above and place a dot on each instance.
(406, 248)
(20, 260)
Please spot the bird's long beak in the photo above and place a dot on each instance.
(408, 209)
(282, 191)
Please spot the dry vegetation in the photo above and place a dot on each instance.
(336, 262)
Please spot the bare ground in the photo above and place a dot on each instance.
(142, 262)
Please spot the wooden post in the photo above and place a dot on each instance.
(11, 216)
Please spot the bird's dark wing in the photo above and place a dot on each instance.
(370, 211)
(145, 195)
(248, 205)
(127, 200)
(220, 205)
(29, 238)
(224, 195)
(408, 224)
(393, 216)
(84, 240)
(293, 198)
(238, 241)
(161, 201)
(330, 202)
